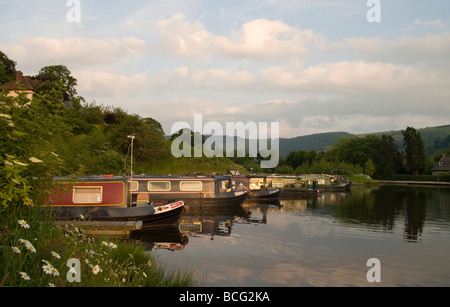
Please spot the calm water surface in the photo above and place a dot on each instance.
(321, 242)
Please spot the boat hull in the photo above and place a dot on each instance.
(150, 215)
(264, 195)
(203, 200)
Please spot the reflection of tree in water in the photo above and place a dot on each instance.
(383, 205)
(414, 204)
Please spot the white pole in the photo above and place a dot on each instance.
(131, 164)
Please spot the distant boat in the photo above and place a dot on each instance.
(257, 187)
(328, 182)
(195, 190)
(293, 186)
(106, 198)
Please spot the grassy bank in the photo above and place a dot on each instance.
(361, 179)
(36, 253)
(182, 166)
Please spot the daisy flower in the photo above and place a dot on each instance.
(51, 285)
(56, 255)
(23, 224)
(47, 269)
(96, 269)
(145, 275)
(55, 271)
(30, 247)
(112, 245)
(72, 270)
(16, 249)
(24, 276)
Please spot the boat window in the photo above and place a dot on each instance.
(191, 186)
(277, 184)
(87, 195)
(158, 186)
(134, 186)
(225, 186)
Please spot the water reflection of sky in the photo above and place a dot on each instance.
(304, 244)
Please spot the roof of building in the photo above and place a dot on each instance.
(443, 164)
(20, 83)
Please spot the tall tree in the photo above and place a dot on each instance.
(415, 155)
(388, 158)
(7, 68)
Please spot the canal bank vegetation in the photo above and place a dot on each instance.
(36, 253)
(33, 251)
(41, 138)
(369, 159)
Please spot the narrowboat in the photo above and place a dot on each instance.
(195, 191)
(107, 198)
(257, 188)
(328, 182)
(293, 186)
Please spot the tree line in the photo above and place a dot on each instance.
(378, 157)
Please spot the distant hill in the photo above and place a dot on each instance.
(436, 140)
(317, 142)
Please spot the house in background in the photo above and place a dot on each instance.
(442, 167)
(20, 84)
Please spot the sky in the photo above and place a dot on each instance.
(313, 66)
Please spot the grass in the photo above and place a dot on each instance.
(34, 252)
(361, 179)
(183, 165)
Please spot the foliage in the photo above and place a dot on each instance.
(378, 157)
(415, 155)
(7, 68)
(34, 246)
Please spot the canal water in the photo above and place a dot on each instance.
(317, 242)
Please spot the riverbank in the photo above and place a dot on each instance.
(34, 252)
(427, 183)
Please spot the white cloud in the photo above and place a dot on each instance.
(108, 84)
(257, 39)
(34, 53)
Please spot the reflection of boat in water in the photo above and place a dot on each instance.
(293, 186)
(105, 198)
(211, 221)
(169, 238)
(256, 185)
(328, 182)
(195, 191)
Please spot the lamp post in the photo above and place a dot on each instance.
(131, 136)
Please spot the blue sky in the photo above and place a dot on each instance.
(313, 66)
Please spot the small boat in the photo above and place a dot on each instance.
(293, 186)
(107, 198)
(257, 187)
(328, 182)
(194, 190)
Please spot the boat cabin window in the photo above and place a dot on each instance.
(134, 186)
(277, 184)
(224, 186)
(189, 186)
(158, 186)
(87, 195)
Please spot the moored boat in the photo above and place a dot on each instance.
(328, 182)
(293, 186)
(107, 198)
(195, 191)
(257, 187)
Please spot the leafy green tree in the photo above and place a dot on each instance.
(7, 68)
(415, 154)
(296, 158)
(369, 167)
